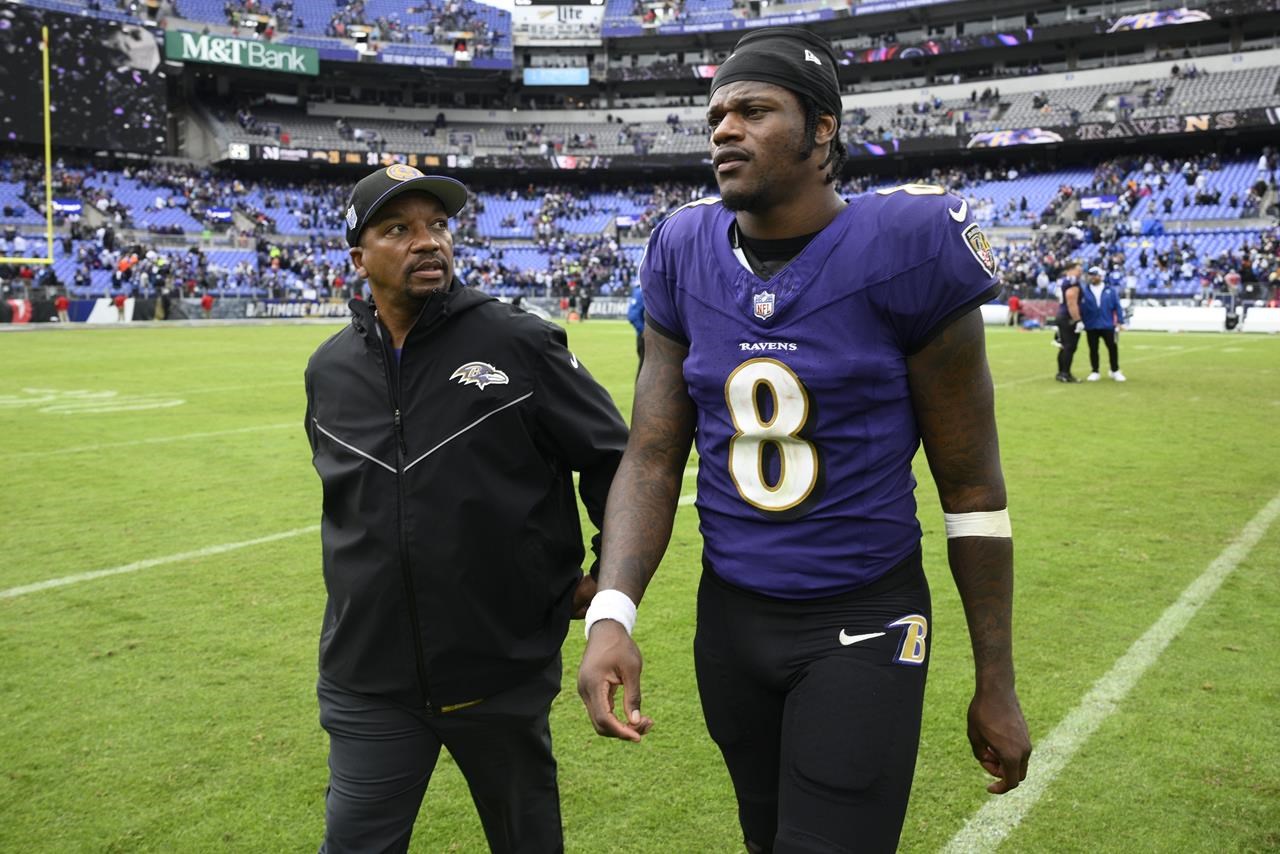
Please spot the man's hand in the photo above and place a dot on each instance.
(582, 595)
(998, 735)
(612, 659)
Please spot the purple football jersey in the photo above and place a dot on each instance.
(805, 429)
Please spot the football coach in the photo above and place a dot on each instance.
(446, 426)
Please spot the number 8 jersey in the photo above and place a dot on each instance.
(805, 429)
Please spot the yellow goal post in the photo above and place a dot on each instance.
(48, 166)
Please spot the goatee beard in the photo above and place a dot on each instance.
(742, 201)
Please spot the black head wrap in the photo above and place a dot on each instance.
(790, 57)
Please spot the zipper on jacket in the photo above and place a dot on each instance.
(402, 453)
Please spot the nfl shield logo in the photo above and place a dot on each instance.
(763, 305)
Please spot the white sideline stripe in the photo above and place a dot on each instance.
(525, 396)
(352, 448)
(208, 551)
(1000, 816)
(104, 446)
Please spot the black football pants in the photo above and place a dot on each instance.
(815, 705)
(1113, 347)
(1069, 339)
(381, 756)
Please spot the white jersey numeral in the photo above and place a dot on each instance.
(790, 414)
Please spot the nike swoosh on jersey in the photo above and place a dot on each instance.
(961, 212)
(847, 639)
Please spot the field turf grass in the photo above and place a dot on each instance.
(171, 707)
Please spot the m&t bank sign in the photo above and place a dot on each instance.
(223, 50)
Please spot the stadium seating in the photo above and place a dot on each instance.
(467, 138)
(497, 209)
(1234, 178)
(152, 207)
(1225, 90)
(20, 213)
(246, 272)
(1228, 90)
(999, 203)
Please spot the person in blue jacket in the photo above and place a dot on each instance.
(1103, 319)
(635, 316)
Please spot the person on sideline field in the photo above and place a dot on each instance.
(1103, 319)
(808, 345)
(446, 427)
(1070, 321)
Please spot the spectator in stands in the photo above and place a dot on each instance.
(1103, 319)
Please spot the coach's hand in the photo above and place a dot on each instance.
(998, 735)
(612, 659)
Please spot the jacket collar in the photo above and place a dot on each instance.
(438, 307)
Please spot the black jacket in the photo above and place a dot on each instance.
(450, 530)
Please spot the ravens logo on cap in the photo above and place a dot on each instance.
(401, 172)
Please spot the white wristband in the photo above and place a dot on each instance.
(611, 605)
(994, 523)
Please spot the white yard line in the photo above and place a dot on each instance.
(297, 382)
(1000, 816)
(207, 551)
(157, 440)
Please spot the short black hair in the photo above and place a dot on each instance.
(837, 154)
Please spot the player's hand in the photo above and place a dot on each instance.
(582, 595)
(998, 736)
(612, 659)
(1079, 326)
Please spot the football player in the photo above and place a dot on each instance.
(1069, 321)
(809, 344)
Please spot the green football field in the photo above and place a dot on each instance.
(161, 597)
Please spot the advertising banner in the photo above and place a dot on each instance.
(224, 50)
(295, 308)
(557, 26)
(1125, 128)
(634, 28)
(16, 311)
(1097, 203)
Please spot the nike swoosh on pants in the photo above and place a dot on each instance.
(846, 639)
